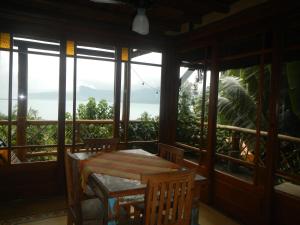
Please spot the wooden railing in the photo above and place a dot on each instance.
(248, 164)
(31, 149)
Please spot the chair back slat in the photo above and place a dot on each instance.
(101, 144)
(170, 153)
(168, 198)
(74, 190)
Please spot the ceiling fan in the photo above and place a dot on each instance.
(140, 22)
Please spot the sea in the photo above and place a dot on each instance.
(48, 109)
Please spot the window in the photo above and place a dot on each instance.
(90, 103)
(144, 104)
(192, 112)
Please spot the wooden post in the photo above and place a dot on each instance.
(169, 97)
(212, 119)
(117, 95)
(273, 145)
(201, 148)
(77, 132)
(10, 84)
(74, 127)
(22, 101)
(61, 115)
(261, 80)
(126, 97)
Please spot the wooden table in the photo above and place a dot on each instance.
(112, 187)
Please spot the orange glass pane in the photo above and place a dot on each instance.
(5, 40)
(125, 54)
(70, 48)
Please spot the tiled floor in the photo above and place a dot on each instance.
(208, 215)
(62, 220)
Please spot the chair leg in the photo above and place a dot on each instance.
(69, 219)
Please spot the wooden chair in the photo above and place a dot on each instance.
(80, 211)
(168, 198)
(170, 153)
(101, 144)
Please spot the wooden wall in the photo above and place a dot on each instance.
(239, 199)
(29, 180)
(247, 202)
(286, 210)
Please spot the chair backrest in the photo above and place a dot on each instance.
(101, 144)
(168, 198)
(170, 153)
(74, 190)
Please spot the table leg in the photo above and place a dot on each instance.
(195, 216)
(112, 211)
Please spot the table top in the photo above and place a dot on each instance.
(117, 186)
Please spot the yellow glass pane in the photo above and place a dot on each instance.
(5, 40)
(3, 156)
(70, 48)
(125, 54)
(185, 27)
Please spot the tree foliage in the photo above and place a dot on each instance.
(145, 128)
(188, 118)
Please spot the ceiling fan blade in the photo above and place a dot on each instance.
(108, 1)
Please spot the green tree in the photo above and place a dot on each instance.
(145, 128)
(188, 129)
(95, 111)
(92, 111)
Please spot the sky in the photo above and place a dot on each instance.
(43, 76)
(43, 73)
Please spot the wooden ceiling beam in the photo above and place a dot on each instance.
(40, 26)
(83, 12)
(198, 7)
(138, 52)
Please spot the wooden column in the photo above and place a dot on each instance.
(74, 126)
(10, 84)
(126, 98)
(212, 119)
(273, 144)
(169, 97)
(61, 114)
(22, 101)
(117, 93)
(261, 81)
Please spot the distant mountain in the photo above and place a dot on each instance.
(84, 92)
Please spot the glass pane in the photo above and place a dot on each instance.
(138, 55)
(103, 52)
(236, 120)
(95, 96)
(190, 110)
(43, 83)
(122, 130)
(289, 123)
(15, 97)
(69, 100)
(4, 77)
(42, 109)
(144, 102)
(35, 101)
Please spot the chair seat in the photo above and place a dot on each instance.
(132, 199)
(130, 221)
(92, 210)
(93, 222)
(88, 192)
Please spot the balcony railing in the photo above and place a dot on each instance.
(41, 135)
(237, 147)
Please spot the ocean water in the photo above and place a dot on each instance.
(48, 109)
